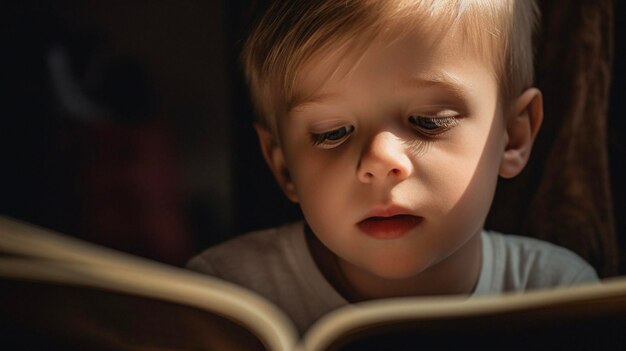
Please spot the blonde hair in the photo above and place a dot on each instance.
(293, 31)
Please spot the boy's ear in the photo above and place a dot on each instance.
(521, 130)
(275, 159)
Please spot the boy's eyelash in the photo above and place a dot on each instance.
(446, 122)
(317, 139)
(425, 125)
(331, 138)
(432, 126)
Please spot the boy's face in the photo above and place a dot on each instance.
(394, 159)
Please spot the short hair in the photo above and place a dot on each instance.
(292, 32)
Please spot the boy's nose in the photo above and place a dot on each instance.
(385, 158)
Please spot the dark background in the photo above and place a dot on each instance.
(172, 165)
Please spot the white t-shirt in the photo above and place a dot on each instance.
(276, 263)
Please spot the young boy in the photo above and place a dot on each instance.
(389, 123)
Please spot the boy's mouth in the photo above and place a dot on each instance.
(390, 227)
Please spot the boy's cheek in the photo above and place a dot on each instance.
(474, 200)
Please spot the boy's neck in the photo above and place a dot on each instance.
(456, 275)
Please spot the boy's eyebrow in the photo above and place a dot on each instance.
(300, 100)
(441, 79)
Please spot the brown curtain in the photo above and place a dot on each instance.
(564, 194)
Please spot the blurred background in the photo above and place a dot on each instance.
(127, 123)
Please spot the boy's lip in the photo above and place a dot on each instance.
(389, 223)
(388, 211)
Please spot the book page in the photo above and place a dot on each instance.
(41, 316)
(581, 317)
(32, 254)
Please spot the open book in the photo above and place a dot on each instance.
(61, 293)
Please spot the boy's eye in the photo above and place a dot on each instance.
(331, 138)
(431, 126)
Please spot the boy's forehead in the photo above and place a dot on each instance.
(424, 56)
(300, 62)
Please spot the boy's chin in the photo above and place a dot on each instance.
(399, 271)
